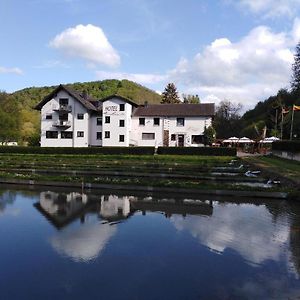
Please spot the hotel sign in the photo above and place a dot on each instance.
(111, 108)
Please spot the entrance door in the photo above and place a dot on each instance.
(166, 138)
(180, 140)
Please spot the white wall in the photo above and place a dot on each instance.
(76, 125)
(94, 128)
(149, 127)
(111, 108)
(192, 126)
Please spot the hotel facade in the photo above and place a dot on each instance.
(72, 119)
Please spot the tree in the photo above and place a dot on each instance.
(9, 118)
(170, 94)
(227, 121)
(295, 82)
(210, 135)
(191, 99)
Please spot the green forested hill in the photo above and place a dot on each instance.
(24, 100)
(268, 113)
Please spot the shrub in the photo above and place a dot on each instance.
(210, 151)
(70, 150)
(291, 146)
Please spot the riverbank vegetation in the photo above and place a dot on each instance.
(176, 171)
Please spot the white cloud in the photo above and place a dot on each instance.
(140, 78)
(17, 71)
(271, 8)
(246, 71)
(239, 228)
(88, 42)
(84, 243)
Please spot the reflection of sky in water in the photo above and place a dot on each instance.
(247, 229)
(232, 251)
(83, 243)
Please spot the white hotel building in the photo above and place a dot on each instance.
(71, 119)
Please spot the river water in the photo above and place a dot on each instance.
(63, 244)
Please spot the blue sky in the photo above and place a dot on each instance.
(241, 50)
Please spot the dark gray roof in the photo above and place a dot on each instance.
(86, 102)
(176, 110)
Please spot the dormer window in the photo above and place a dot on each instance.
(63, 101)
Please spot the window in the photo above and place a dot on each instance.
(122, 123)
(197, 139)
(99, 135)
(63, 101)
(99, 121)
(142, 121)
(173, 137)
(51, 134)
(156, 121)
(148, 136)
(48, 116)
(107, 120)
(63, 117)
(80, 116)
(121, 138)
(180, 121)
(107, 134)
(80, 134)
(66, 134)
(122, 107)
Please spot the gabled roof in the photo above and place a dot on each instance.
(85, 102)
(176, 110)
(119, 97)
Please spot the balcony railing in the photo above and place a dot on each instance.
(62, 108)
(62, 124)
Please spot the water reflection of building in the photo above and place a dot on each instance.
(62, 208)
(171, 207)
(88, 239)
(114, 208)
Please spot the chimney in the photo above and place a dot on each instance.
(146, 104)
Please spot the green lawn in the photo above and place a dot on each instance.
(283, 167)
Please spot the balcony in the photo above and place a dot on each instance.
(62, 124)
(62, 108)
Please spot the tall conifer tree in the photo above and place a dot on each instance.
(295, 82)
(170, 94)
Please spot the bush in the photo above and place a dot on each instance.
(291, 146)
(210, 151)
(70, 150)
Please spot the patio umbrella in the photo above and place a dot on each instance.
(269, 140)
(231, 140)
(245, 140)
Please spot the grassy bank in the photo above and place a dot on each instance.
(143, 168)
(278, 166)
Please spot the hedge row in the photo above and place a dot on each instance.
(70, 150)
(291, 146)
(212, 151)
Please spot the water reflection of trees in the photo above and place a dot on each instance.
(290, 210)
(7, 198)
(294, 213)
